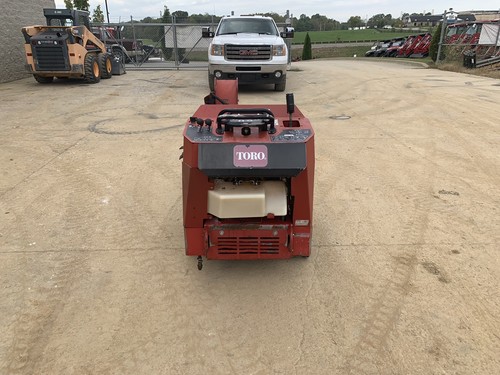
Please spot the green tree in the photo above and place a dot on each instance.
(180, 16)
(98, 15)
(165, 18)
(381, 20)
(319, 22)
(323, 23)
(355, 21)
(275, 16)
(307, 49)
(303, 23)
(149, 20)
(82, 4)
(433, 48)
(398, 23)
(377, 21)
(77, 4)
(204, 18)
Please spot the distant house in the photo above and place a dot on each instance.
(421, 21)
(466, 17)
(431, 21)
(480, 15)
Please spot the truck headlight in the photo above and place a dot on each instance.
(279, 50)
(217, 50)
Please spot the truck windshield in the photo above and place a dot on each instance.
(250, 26)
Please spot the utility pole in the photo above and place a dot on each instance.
(107, 12)
(443, 27)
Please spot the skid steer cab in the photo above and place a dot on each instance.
(66, 48)
(247, 179)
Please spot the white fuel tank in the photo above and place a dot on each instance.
(229, 201)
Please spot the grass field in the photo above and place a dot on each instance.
(350, 35)
(329, 52)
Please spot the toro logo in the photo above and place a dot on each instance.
(250, 156)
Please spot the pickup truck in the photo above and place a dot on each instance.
(250, 49)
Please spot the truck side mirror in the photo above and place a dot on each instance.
(206, 33)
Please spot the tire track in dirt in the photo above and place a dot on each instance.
(136, 354)
(58, 270)
(42, 302)
(168, 288)
(483, 311)
(369, 354)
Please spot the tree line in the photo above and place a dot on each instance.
(317, 22)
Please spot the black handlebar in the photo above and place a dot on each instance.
(245, 117)
(290, 105)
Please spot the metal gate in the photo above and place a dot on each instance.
(173, 45)
(157, 45)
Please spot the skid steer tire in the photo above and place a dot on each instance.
(92, 70)
(105, 64)
(41, 79)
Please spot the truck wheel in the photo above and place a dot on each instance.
(117, 52)
(105, 65)
(211, 83)
(92, 70)
(280, 86)
(41, 79)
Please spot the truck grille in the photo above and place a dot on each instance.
(242, 52)
(50, 58)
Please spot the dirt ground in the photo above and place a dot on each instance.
(405, 266)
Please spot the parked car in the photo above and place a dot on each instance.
(392, 50)
(376, 46)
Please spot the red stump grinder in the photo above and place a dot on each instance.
(247, 179)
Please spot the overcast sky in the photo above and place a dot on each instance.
(340, 10)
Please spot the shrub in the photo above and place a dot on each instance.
(433, 48)
(307, 50)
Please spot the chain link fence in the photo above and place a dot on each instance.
(475, 44)
(175, 45)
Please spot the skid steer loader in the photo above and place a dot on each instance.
(66, 48)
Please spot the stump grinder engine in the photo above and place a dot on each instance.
(247, 179)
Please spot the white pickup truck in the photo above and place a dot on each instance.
(250, 49)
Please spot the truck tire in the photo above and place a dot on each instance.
(92, 70)
(41, 79)
(280, 86)
(211, 83)
(105, 64)
(117, 52)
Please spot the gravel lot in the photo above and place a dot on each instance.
(404, 274)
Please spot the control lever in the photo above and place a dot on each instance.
(199, 122)
(290, 106)
(208, 123)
